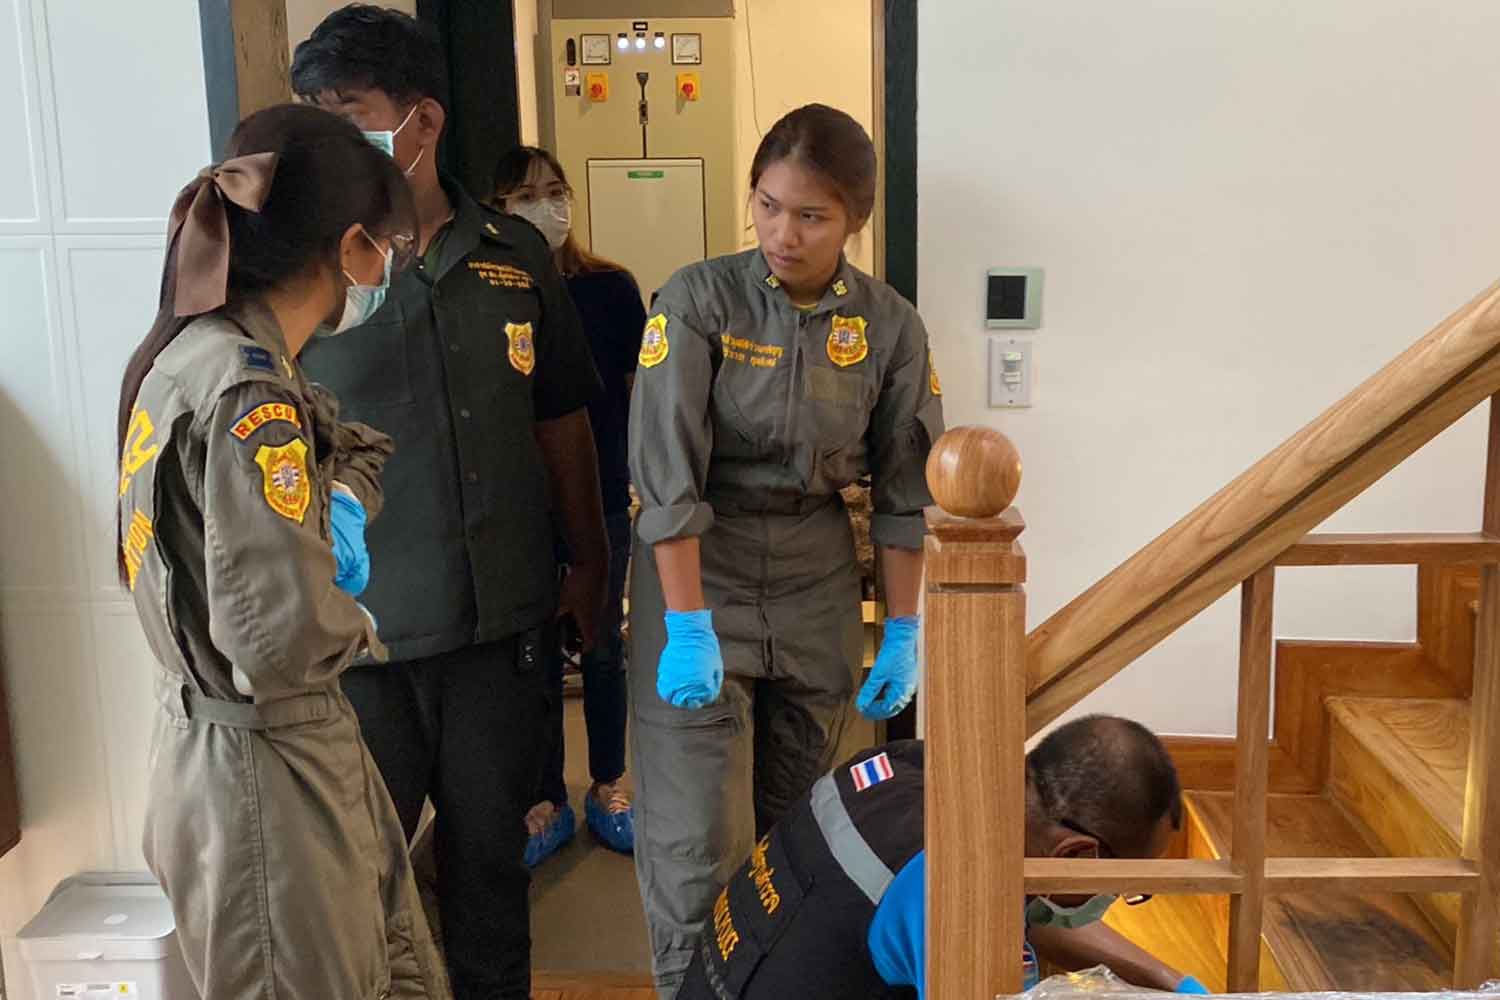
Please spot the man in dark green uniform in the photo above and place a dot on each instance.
(477, 367)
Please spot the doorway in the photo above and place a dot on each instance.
(587, 923)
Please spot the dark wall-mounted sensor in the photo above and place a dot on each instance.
(1013, 298)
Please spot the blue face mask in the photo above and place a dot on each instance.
(363, 301)
(385, 141)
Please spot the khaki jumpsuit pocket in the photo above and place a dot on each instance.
(838, 414)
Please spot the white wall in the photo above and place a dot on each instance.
(790, 53)
(99, 141)
(1243, 210)
(302, 16)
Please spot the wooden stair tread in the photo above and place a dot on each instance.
(1328, 941)
(1422, 742)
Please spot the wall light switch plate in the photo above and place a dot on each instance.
(1012, 373)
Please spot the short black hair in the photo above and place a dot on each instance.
(1110, 776)
(363, 46)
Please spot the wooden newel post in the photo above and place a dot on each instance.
(975, 691)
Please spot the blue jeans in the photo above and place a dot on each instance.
(604, 690)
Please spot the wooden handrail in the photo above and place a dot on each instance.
(1261, 514)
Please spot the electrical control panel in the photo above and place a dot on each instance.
(658, 92)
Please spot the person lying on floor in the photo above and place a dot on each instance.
(831, 902)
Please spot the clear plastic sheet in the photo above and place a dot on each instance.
(1100, 981)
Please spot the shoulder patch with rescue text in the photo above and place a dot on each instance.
(284, 478)
(846, 341)
(257, 417)
(654, 346)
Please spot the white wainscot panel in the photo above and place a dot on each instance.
(38, 532)
(65, 812)
(20, 120)
(127, 684)
(111, 285)
(132, 118)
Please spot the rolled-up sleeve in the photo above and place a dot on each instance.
(908, 418)
(671, 430)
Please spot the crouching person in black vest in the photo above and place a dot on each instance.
(831, 902)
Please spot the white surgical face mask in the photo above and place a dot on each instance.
(385, 140)
(1042, 912)
(553, 216)
(362, 301)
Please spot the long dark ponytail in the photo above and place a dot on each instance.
(327, 178)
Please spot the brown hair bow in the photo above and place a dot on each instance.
(199, 228)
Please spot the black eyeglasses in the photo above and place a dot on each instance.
(1134, 899)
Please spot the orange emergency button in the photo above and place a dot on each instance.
(689, 86)
(597, 87)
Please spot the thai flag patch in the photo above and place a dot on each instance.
(871, 772)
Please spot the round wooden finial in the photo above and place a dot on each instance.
(974, 472)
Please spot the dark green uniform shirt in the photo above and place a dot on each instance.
(473, 346)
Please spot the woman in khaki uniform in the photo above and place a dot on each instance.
(768, 381)
(267, 823)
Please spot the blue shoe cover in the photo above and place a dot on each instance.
(614, 830)
(541, 846)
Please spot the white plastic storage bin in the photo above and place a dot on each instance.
(105, 934)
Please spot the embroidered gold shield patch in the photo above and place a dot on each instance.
(654, 346)
(932, 376)
(284, 478)
(522, 351)
(846, 341)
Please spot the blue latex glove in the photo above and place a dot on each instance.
(892, 683)
(346, 516)
(1191, 985)
(691, 669)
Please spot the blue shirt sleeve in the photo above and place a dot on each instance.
(898, 934)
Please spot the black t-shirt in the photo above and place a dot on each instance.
(609, 304)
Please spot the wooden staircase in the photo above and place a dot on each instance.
(991, 685)
(1380, 771)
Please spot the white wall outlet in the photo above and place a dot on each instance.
(1011, 372)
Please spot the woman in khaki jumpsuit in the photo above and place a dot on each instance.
(768, 381)
(267, 823)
